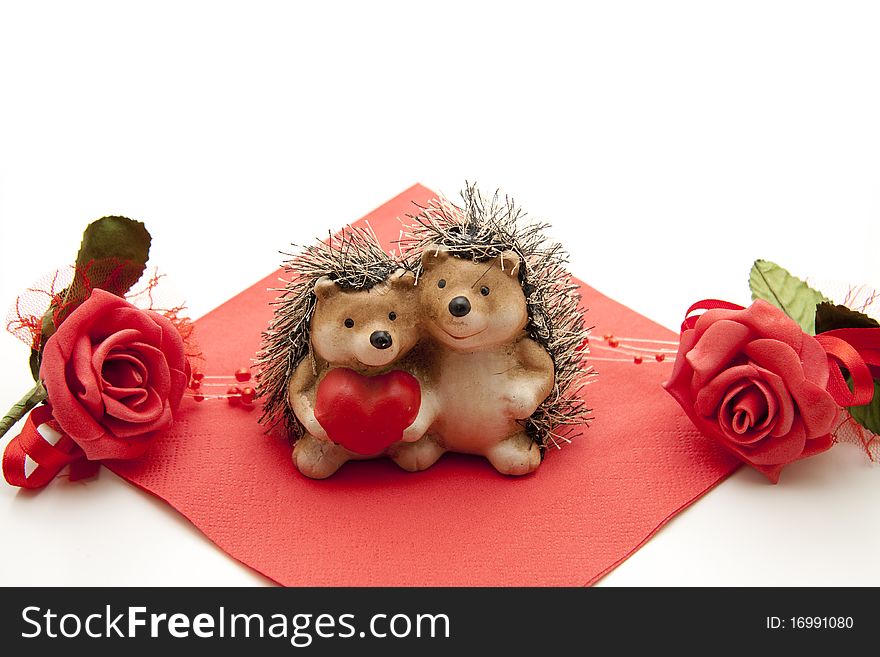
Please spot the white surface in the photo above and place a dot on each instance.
(691, 137)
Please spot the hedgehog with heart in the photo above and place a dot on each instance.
(510, 340)
(334, 364)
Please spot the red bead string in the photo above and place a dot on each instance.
(655, 351)
(236, 395)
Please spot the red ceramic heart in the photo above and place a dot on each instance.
(366, 414)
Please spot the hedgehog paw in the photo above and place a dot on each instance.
(316, 458)
(517, 455)
(417, 456)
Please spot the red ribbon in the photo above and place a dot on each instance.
(49, 458)
(858, 351)
(706, 304)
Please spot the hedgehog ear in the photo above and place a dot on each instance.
(510, 262)
(402, 279)
(325, 287)
(433, 254)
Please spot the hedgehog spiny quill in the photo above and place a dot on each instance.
(480, 231)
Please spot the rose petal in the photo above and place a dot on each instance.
(135, 319)
(111, 447)
(818, 409)
(749, 409)
(720, 343)
(131, 388)
(818, 445)
(682, 372)
(727, 414)
(713, 316)
(179, 382)
(815, 362)
(81, 378)
(66, 408)
(780, 449)
(123, 429)
(724, 413)
(727, 404)
(150, 409)
(129, 396)
(115, 341)
(124, 370)
(94, 309)
(707, 398)
(785, 412)
(772, 403)
(156, 365)
(768, 321)
(171, 343)
(778, 357)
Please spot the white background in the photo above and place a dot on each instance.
(670, 144)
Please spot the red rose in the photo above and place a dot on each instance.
(753, 380)
(114, 375)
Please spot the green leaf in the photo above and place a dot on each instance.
(775, 285)
(869, 414)
(112, 256)
(115, 237)
(830, 317)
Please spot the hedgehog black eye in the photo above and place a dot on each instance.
(441, 283)
(484, 291)
(392, 315)
(349, 322)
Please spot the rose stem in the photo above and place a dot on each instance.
(33, 397)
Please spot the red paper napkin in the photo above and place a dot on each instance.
(585, 510)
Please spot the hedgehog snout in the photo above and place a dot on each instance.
(381, 339)
(459, 306)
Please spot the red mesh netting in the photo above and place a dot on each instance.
(864, 299)
(25, 317)
(850, 431)
(60, 292)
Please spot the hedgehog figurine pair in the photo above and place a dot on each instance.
(473, 341)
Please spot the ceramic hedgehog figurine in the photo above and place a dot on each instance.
(474, 342)
(509, 335)
(333, 368)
